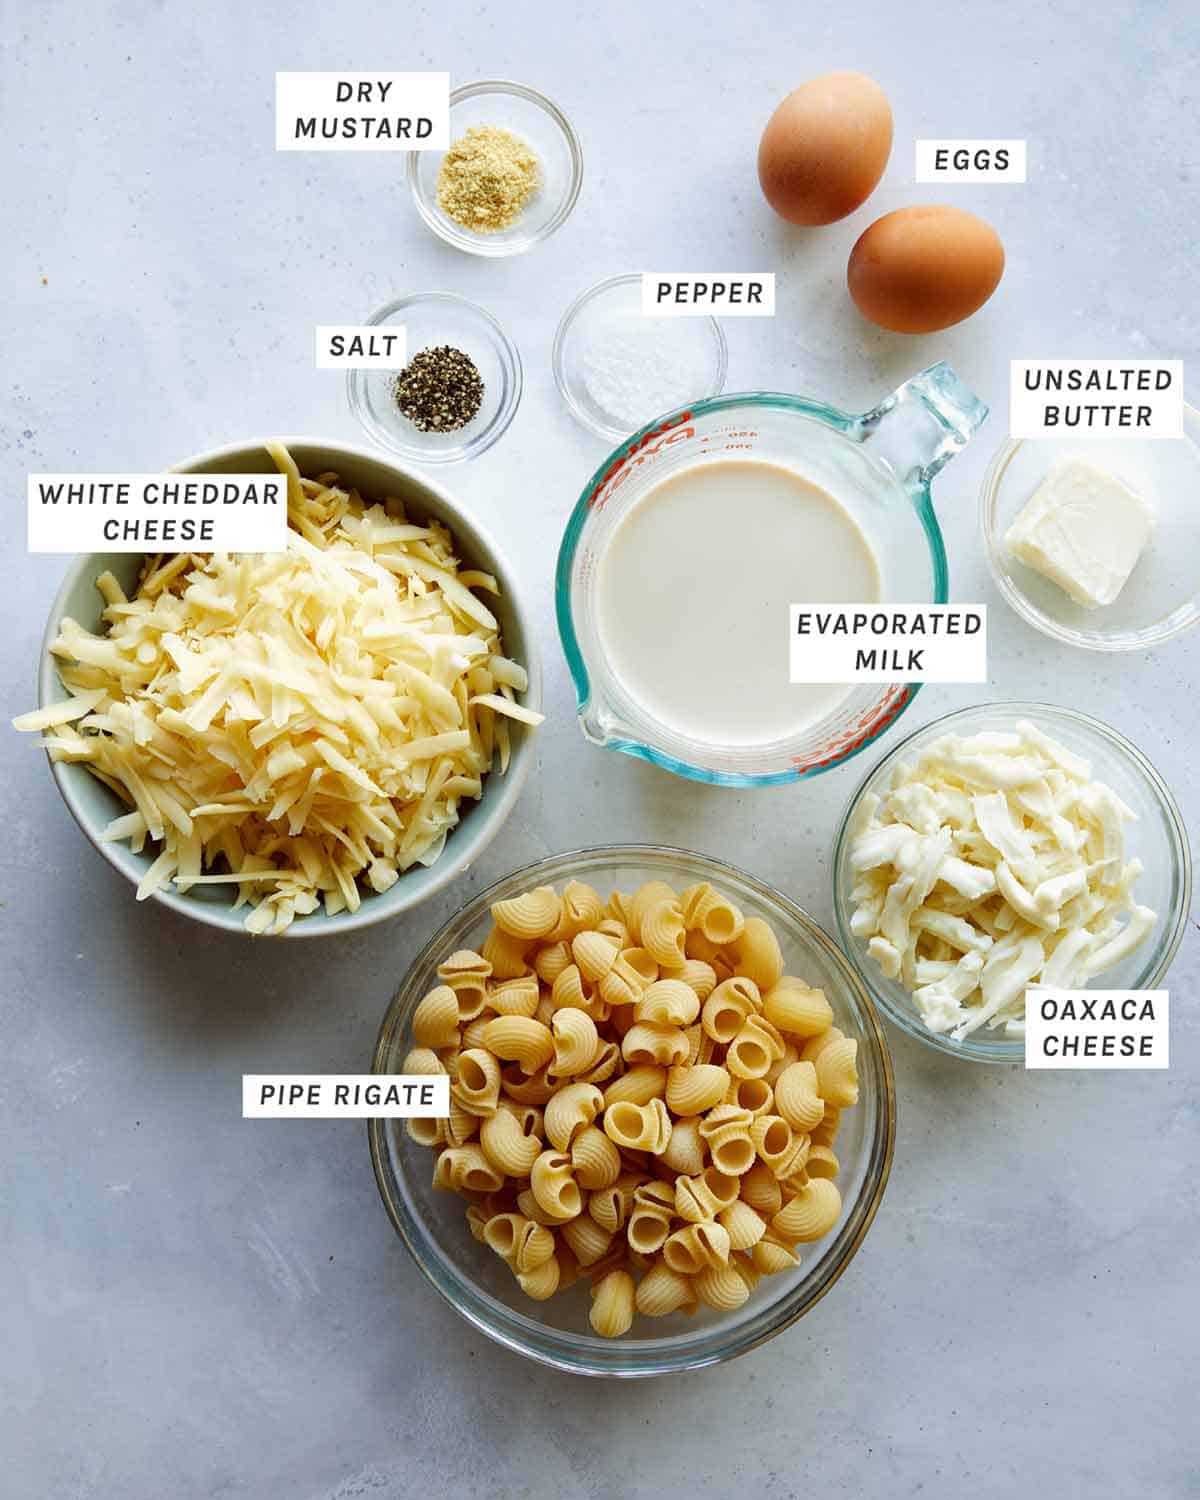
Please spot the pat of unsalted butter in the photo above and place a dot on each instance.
(1084, 529)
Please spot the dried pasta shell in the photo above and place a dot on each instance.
(426, 1131)
(821, 1162)
(595, 1159)
(507, 1145)
(460, 1124)
(743, 1224)
(758, 954)
(575, 1041)
(535, 1088)
(698, 1199)
(638, 1127)
(825, 1133)
(694, 1090)
(530, 916)
(472, 1032)
(594, 954)
(662, 1291)
(647, 895)
(837, 1073)
(645, 1042)
(545, 1010)
(728, 1007)
(569, 1110)
(462, 965)
(505, 953)
(721, 1287)
(813, 1048)
(554, 1189)
(754, 1094)
(793, 1172)
(610, 1207)
(796, 1009)
(715, 916)
(477, 1221)
(605, 1063)
(753, 1049)
(726, 1129)
(611, 927)
(529, 1206)
(773, 1140)
(612, 1305)
(542, 1283)
(423, 1060)
(632, 972)
(761, 1190)
(465, 1169)
(477, 1087)
(770, 1256)
(796, 1096)
(514, 997)
(650, 1219)
(662, 932)
(685, 1149)
(668, 1002)
(637, 1085)
(695, 1246)
(696, 974)
(811, 1214)
(589, 1241)
(581, 908)
(435, 1020)
(519, 1039)
(550, 961)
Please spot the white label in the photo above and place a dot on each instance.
(345, 1096)
(1096, 1029)
(362, 111)
(157, 512)
(366, 346)
(888, 642)
(1096, 398)
(970, 161)
(732, 294)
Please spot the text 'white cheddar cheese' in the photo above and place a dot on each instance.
(301, 725)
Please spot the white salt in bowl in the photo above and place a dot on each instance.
(616, 369)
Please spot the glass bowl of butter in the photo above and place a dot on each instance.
(1097, 543)
(1005, 847)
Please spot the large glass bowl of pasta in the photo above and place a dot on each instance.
(671, 1111)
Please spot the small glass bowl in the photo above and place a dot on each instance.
(433, 318)
(537, 121)
(556, 1332)
(1162, 596)
(1158, 838)
(699, 343)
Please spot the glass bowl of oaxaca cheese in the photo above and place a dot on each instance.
(297, 743)
(1000, 848)
(538, 1209)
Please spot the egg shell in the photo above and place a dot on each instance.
(923, 268)
(825, 148)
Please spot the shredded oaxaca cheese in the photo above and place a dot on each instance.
(300, 725)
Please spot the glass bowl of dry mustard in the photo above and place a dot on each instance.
(458, 389)
(510, 176)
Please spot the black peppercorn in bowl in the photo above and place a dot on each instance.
(458, 391)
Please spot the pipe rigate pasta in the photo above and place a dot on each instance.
(638, 1127)
(668, 1002)
(569, 1110)
(692, 1091)
(595, 1159)
(554, 1189)
(477, 1087)
(717, 918)
(519, 1039)
(575, 1041)
(721, 1287)
(796, 1096)
(811, 1214)
(646, 1042)
(837, 1073)
(744, 1225)
(507, 1144)
(435, 1020)
(662, 1291)
(613, 1305)
(662, 932)
(650, 1219)
(696, 1246)
(758, 954)
(796, 1009)
(532, 915)
(638, 1095)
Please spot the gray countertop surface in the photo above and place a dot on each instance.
(194, 1305)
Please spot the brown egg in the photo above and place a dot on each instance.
(920, 269)
(825, 148)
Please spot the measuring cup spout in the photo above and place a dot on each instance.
(919, 428)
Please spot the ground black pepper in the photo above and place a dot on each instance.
(439, 390)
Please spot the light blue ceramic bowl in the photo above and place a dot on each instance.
(92, 804)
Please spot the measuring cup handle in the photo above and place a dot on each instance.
(919, 428)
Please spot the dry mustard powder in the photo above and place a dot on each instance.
(486, 179)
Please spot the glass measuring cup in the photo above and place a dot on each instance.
(879, 464)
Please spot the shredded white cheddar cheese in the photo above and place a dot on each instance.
(302, 725)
